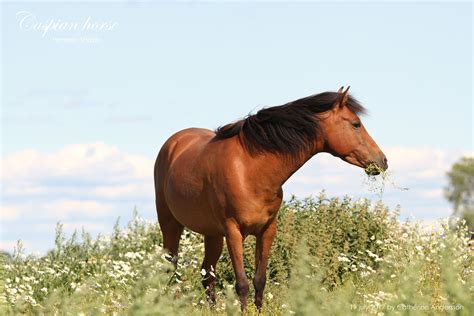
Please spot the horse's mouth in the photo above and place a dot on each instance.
(373, 169)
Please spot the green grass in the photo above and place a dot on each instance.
(330, 257)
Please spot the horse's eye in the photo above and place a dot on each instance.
(356, 124)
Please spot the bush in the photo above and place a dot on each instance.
(330, 256)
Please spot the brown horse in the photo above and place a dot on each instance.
(228, 183)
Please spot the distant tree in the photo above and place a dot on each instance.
(5, 257)
(460, 190)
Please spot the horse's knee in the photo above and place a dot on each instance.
(259, 282)
(242, 287)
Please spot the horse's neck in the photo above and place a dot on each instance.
(279, 168)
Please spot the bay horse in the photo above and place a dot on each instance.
(228, 182)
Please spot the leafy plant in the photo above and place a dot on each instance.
(330, 257)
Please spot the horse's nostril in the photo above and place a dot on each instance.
(385, 162)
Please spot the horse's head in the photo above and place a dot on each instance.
(346, 137)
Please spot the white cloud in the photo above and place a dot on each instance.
(89, 170)
(56, 210)
(83, 183)
(24, 189)
(47, 229)
(435, 193)
(85, 208)
(321, 180)
(113, 191)
(9, 213)
(84, 161)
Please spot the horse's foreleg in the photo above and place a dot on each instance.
(262, 250)
(213, 249)
(234, 240)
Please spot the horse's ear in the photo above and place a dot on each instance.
(345, 97)
(340, 89)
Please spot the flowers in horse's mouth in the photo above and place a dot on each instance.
(373, 169)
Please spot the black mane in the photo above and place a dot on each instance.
(287, 128)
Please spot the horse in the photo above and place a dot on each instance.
(227, 183)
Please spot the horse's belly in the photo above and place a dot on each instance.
(199, 220)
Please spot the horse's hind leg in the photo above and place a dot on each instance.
(213, 249)
(171, 230)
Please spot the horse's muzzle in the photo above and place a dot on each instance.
(374, 168)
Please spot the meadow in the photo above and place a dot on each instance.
(332, 256)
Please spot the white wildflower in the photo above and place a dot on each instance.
(364, 274)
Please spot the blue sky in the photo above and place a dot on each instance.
(82, 122)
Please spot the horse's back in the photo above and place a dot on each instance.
(181, 141)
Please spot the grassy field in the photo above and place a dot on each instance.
(330, 257)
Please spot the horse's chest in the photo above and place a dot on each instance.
(254, 220)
